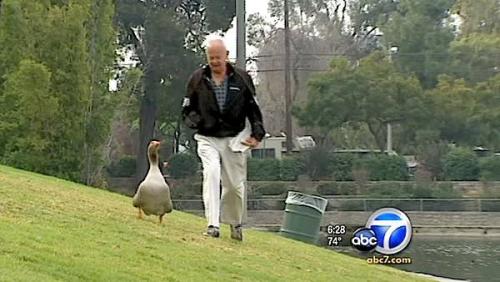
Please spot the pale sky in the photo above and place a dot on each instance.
(252, 6)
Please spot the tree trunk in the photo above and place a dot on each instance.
(146, 133)
(375, 131)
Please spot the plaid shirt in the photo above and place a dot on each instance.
(220, 93)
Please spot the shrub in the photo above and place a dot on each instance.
(350, 205)
(423, 190)
(317, 163)
(342, 166)
(186, 189)
(490, 168)
(383, 167)
(435, 190)
(444, 191)
(338, 188)
(430, 152)
(183, 165)
(413, 190)
(124, 167)
(461, 164)
(263, 169)
(290, 169)
(391, 190)
(270, 189)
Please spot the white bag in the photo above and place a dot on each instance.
(235, 142)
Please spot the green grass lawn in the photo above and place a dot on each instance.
(51, 229)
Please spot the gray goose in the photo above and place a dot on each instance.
(153, 194)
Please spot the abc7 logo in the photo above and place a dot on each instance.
(388, 231)
(364, 239)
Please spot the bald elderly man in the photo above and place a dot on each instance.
(220, 98)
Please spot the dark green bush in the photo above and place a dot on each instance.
(430, 150)
(183, 165)
(317, 163)
(431, 190)
(263, 169)
(391, 190)
(384, 167)
(342, 166)
(124, 167)
(444, 191)
(403, 204)
(186, 189)
(350, 205)
(423, 191)
(338, 188)
(490, 168)
(290, 169)
(435, 190)
(269, 189)
(461, 164)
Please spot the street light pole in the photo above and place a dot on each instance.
(389, 138)
(393, 50)
(240, 34)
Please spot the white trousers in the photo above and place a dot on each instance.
(222, 166)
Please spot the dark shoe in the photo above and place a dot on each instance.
(212, 231)
(237, 232)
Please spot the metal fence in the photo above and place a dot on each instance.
(367, 204)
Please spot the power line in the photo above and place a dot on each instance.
(299, 69)
(343, 54)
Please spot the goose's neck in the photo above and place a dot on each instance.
(153, 163)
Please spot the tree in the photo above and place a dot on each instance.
(475, 52)
(353, 135)
(463, 114)
(319, 32)
(19, 34)
(26, 34)
(475, 57)
(69, 44)
(389, 97)
(487, 112)
(70, 83)
(99, 110)
(367, 16)
(167, 55)
(122, 139)
(453, 104)
(430, 151)
(478, 16)
(373, 93)
(332, 99)
(461, 164)
(420, 32)
(30, 116)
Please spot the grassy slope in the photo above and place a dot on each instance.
(52, 229)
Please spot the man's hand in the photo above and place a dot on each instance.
(250, 142)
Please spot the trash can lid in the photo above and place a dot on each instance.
(314, 202)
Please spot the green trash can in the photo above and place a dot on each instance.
(303, 214)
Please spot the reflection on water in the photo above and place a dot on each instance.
(474, 259)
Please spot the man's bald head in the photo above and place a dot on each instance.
(216, 43)
(217, 55)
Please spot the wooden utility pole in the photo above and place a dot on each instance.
(288, 97)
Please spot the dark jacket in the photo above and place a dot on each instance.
(201, 111)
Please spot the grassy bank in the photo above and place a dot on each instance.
(52, 229)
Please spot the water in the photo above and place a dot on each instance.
(474, 259)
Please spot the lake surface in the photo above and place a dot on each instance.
(474, 259)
